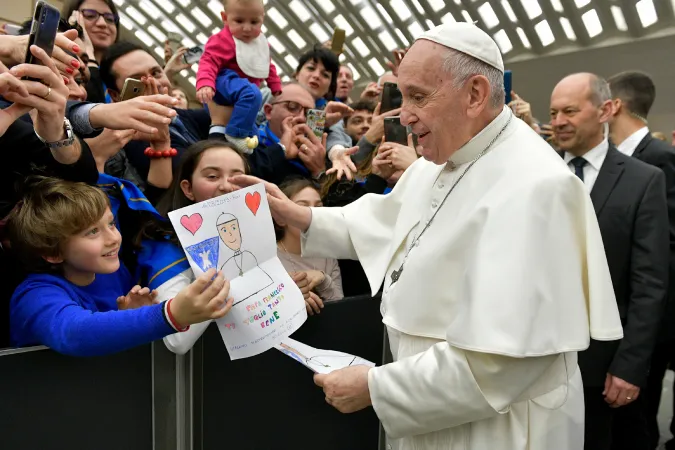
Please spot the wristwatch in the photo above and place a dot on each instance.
(68, 141)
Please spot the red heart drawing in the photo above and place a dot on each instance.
(192, 223)
(253, 202)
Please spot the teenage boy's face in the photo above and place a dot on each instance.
(93, 251)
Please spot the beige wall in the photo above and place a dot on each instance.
(17, 11)
(534, 80)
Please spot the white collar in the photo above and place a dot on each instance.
(629, 144)
(478, 143)
(594, 157)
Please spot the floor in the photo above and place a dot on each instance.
(666, 409)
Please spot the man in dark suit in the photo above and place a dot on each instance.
(633, 94)
(629, 197)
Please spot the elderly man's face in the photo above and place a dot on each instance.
(294, 101)
(430, 104)
(137, 64)
(577, 122)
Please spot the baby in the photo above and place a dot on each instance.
(234, 63)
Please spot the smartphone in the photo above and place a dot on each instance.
(316, 120)
(338, 41)
(193, 54)
(391, 97)
(394, 131)
(42, 31)
(11, 29)
(132, 88)
(174, 41)
(508, 86)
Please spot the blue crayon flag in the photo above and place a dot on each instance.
(205, 253)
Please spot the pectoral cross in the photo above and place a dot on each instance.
(396, 274)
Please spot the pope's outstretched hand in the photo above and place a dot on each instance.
(283, 209)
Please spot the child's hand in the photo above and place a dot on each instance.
(313, 304)
(205, 94)
(136, 298)
(206, 298)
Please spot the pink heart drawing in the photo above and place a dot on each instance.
(253, 202)
(192, 223)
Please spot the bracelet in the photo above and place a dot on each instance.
(150, 153)
(171, 319)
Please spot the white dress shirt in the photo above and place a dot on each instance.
(595, 157)
(628, 146)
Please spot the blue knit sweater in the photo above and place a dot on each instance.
(82, 320)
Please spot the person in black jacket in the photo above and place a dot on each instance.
(633, 94)
(629, 198)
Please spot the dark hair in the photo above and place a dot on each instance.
(114, 52)
(290, 188)
(75, 5)
(362, 105)
(174, 198)
(329, 60)
(635, 89)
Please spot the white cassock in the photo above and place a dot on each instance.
(493, 303)
(247, 277)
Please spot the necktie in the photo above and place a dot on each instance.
(579, 164)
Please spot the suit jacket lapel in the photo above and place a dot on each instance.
(609, 174)
(642, 145)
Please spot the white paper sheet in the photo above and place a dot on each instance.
(318, 360)
(234, 233)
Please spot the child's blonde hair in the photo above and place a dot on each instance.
(52, 211)
(226, 3)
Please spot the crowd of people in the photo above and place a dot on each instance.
(91, 177)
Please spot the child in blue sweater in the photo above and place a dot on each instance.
(79, 300)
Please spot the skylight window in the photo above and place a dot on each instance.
(436, 5)
(296, 39)
(557, 5)
(201, 17)
(619, 19)
(567, 28)
(467, 16)
(544, 32)
(166, 5)
(187, 42)
(326, 5)
(319, 32)
(361, 48)
(215, 7)
(159, 51)
(592, 22)
(532, 8)
(376, 66)
(276, 44)
(581, 3)
(385, 14)
(341, 22)
(201, 38)
(137, 16)
(300, 10)
(184, 3)
(193, 81)
(503, 41)
(401, 37)
(448, 18)
(401, 9)
(387, 40)
(276, 17)
(185, 22)
(355, 72)
(415, 29)
(509, 11)
(157, 33)
(144, 37)
(371, 17)
(149, 9)
(126, 23)
(418, 7)
(523, 37)
(646, 12)
(169, 26)
(291, 61)
(488, 15)
(119, 2)
(184, 73)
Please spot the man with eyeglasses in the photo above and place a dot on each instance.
(291, 105)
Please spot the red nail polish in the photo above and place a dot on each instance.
(76, 48)
(65, 80)
(75, 63)
(70, 70)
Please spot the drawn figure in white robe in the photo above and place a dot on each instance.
(242, 263)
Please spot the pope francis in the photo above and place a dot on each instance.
(493, 267)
